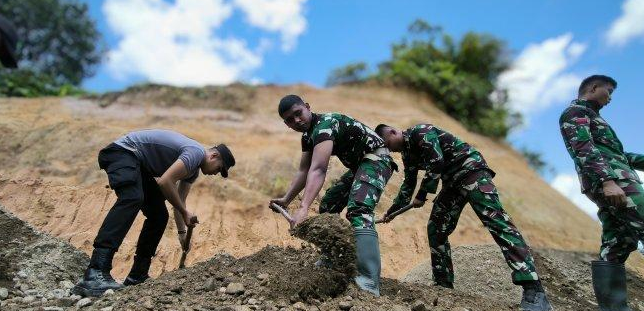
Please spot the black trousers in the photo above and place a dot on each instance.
(136, 190)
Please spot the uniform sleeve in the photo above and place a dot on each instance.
(406, 189)
(636, 160)
(192, 158)
(575, 129)
(327, 129)
(432, 161)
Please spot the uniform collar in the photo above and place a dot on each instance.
(594, 105)
(314, 120)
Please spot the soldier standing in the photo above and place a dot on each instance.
(466, 178)
(607, 175)
(361, 150)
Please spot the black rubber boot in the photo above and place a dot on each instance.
(534, 297)
(368, 260)
(139, 272)
(97, 278)
(609, 282)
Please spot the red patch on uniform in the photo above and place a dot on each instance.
(582, 120)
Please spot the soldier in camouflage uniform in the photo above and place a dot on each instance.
(607, 175)
(466, 178)
(369, 165)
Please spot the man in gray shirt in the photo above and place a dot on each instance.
(146, 168)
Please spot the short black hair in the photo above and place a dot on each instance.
(287, 102)
(583, 87)
(380, 129)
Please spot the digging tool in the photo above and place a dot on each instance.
(396, 213)
(281, 210)
(186, 248)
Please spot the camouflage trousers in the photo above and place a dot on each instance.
(623, 227)
(359, 191)
(480, 192)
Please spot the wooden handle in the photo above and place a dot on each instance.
(282, 211)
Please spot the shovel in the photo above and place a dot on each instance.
(186, 248)
(396, 213)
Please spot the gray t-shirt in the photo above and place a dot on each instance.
(158, 149)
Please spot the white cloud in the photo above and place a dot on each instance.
(629, 25)
(539, 76)
(176, 43)
(568, 185)
(283, 16)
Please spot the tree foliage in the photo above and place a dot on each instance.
(459, 76)
(57, 38)
(28, 83)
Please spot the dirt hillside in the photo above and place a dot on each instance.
(50, 178)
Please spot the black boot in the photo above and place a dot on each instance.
(368, 260)
(534, 297)
(609, 282)
(97, 278)
(139, 272)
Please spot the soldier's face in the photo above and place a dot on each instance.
(213, 164)
(298, 118)
(604, 93)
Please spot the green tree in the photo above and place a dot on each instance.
(57, 38)
(459, 76)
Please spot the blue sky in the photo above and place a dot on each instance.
(555, 44)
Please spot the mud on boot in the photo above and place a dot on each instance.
(97, 278)
(534, 298)
(139, 272)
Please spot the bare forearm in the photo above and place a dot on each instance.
(296, 186)
(171, 194)
(178, 220)
(314, 183)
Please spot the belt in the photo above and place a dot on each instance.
(377, 154)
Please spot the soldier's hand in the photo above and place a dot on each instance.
(613, 194)
(418, 203)
(190, 219)
(279, 201)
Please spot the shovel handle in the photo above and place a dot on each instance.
(185, 248)
(396, 213)
(281, 210)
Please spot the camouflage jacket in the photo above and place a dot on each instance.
(352, 140)
(441, 155)
(594, 147)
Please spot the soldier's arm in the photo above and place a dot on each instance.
(184, 189)
(315, 178)
(432, 162)
(575, 129)
(299, 181)
(636, 160)
(406, 190)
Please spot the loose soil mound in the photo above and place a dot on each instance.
(481, 270)
(34, 267)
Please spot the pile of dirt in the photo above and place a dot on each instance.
(35, 268)
(481, 270)
(285, 279)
